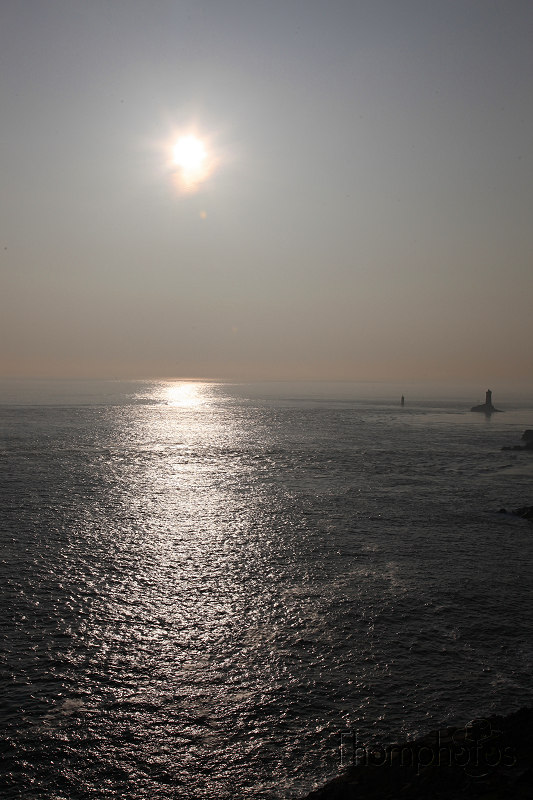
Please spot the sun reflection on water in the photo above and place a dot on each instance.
(186, 394)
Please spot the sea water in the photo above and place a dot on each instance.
(204, 586)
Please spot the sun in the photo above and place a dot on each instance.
(191, 162)
(189, 154)
(192, 156)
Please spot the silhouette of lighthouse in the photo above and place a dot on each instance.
(486, 407)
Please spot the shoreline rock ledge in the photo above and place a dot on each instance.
(527, 437)
(487, 759)
(486, 407)
(525, 512)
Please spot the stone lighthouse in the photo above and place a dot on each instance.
(486, 407)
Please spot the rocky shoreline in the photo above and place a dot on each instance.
(525, 512)
(486, 759)
(527, 437)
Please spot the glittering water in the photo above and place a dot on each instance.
(203, 585)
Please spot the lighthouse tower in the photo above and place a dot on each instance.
(486, 407)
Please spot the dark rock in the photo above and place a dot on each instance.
(526, 437)
(491, 759)
(525, 512)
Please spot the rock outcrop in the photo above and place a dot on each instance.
(525, 512)
(527, 437)
(489, 759)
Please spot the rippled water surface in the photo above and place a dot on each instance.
(203, 585)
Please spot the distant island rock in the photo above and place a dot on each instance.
(527, 437)
(486, 407)
(525, 512)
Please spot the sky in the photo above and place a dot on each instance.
(364, 210)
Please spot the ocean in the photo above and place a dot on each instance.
(205, 586)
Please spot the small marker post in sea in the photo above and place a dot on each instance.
(402, 402)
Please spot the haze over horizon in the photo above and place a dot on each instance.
(362, 210)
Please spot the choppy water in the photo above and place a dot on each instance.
(204, 585)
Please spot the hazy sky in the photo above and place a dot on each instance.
(368, 214)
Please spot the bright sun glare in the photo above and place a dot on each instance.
(191, 162)
(185, 395)
(189, 153)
